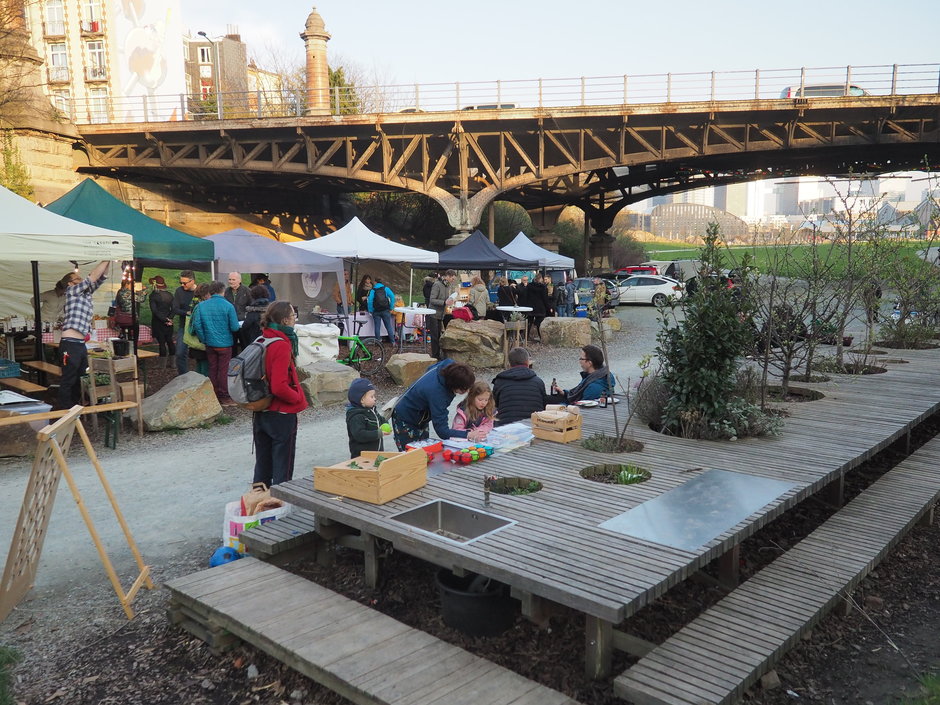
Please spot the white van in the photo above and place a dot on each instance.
(680, 269)
(491, 106)
(821, 90)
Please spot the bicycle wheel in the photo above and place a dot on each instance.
(371, 359)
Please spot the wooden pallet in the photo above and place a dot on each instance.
(282, 541)
(353, 650)
(716, 657)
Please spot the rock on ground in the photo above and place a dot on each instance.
(566, 332)
(475, 343)
(405, 368)
(185, 402)
(326, 382)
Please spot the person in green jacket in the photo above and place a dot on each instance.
(365, 426)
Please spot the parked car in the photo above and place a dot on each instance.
(820, 90)
(490, 106)
(584, 291)
(635, 269)
(648, 289)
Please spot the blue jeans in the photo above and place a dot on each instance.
(275, 436)
(383, 317)
(182, 351)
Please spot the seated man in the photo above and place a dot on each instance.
(518, 391)
(596, 379)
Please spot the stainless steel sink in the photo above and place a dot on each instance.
(451, 521)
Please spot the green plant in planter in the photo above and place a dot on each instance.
(631, 474)
(533, 486)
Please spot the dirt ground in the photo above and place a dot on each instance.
(79, 649)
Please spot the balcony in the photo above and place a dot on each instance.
(58, 74)
(53, 29)
(96, 73)
(93, 27)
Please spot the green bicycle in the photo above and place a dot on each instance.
(364, 354)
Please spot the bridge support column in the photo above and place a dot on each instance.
(545, 219)
(601, 245)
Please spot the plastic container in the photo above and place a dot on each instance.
(474, 604)
(8, 368)
(580, 311)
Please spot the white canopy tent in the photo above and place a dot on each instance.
(243, 251)
(523, 248)
(29, 233)
(355, 241)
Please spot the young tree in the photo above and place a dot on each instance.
(698, 351)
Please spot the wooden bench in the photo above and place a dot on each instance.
(41, 366)
(22, 385)
(282, 541)
(350, 648)
(720, 654)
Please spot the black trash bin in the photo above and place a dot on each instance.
(474, 604)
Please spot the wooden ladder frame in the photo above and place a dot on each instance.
(25, 549)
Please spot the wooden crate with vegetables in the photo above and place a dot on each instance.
(376, 477)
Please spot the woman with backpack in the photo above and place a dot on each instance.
(275, 428)
(380, 302)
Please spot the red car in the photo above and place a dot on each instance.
(636, 269)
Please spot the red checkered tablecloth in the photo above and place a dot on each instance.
(105, 334)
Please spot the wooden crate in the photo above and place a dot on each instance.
(398, 474)
(564, 429)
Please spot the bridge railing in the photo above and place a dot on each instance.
(539, 93)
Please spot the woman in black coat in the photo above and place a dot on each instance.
(537, 298)
(505, 296)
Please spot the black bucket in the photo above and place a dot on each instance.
(122, 348)
(474, 604)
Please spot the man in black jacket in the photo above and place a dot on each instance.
(518, 391)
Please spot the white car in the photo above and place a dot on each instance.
(648, 289)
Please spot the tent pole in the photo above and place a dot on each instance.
(411, 284)
(37, 314)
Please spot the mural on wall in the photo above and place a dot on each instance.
(150, 59)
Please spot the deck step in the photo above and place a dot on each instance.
(283, 540)
(351, 649)
(720, 654)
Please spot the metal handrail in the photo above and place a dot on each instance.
(537, 93)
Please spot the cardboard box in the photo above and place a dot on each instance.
(556, 424)
(398, 474)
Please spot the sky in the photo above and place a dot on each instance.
(436, 41)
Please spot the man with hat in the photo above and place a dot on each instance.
(161, 325)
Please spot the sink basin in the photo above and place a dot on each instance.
(451, 521)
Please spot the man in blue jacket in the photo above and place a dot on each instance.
(381, 301)
(214, 322)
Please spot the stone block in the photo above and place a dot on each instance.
(325, 382)
(566, 332)
(475, 343)
(187, 401)
(405, 368)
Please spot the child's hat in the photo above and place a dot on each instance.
(358, 389)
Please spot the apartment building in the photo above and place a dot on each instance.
(109, 61)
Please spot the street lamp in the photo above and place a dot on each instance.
(216, 73)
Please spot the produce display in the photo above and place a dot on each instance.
(470, 454)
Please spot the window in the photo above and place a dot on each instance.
(97, 60)
(55, 17)
(205, 55)
(58, 62)
(98, 105)
(92, 10)
(61, 100)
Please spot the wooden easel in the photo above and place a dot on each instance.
(20, 571)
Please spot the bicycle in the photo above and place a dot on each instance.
(364, 354)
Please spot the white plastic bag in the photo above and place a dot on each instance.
(316, 341)
(234, 523)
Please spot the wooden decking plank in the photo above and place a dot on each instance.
(488, 689)
(404, 666)
(441, 689)
(766, 597)
(408, 687)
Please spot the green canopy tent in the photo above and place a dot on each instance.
(155, 244)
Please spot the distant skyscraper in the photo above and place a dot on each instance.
(732, 198)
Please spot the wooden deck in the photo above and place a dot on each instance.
(715, 658)
(556, 550)
(283, 540)
(355, 651)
